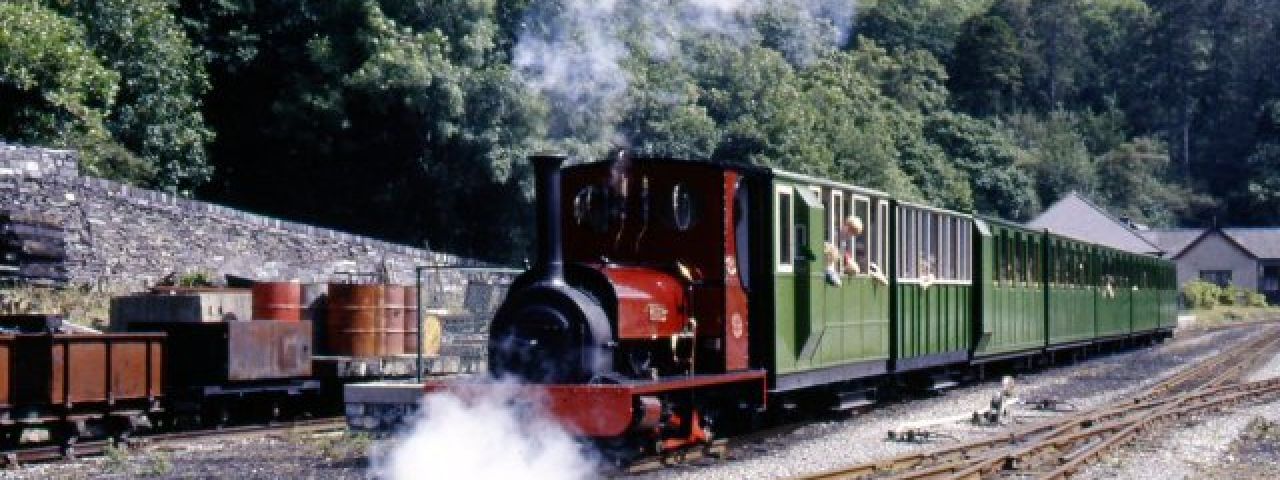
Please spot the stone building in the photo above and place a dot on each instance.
(1248, 258)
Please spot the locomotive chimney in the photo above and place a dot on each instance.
(550, 261)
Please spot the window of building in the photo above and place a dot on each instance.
(1270, 279)
(1220, 278)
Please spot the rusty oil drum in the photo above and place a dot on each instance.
(277, 301)
(393, 308)
(410, 319)
(354, 320)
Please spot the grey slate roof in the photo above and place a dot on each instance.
(1262, 242)
(1172, 240)
(1075, 217)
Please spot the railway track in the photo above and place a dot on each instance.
(1060, 447)
(49, 453)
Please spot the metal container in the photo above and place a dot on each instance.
(31, 323)
(277, 301)
(216, 354)
(354, 320)
(411, 319)
(69, 370)
(172, 304)
(393, 320)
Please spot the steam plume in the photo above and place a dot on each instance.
(574, 51)
(497, 432)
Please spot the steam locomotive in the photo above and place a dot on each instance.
(670, 298)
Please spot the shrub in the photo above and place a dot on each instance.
(1201, 295)
(1255, 299)
(1230, 295)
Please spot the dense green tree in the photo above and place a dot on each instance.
(162, 80)
(1133, 182)
(1060, 160)
(408, 124)
(909, 25)
(993, 161)
(986, 69)
(53, 90)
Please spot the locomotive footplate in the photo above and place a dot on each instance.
(609, 410)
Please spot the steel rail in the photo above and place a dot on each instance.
(974, 459)
(50, 453)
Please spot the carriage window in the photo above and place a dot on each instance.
(966, 244)
(833, 209)
(784, 230)
(929, 247)
(906, 243)
(683, 211)
(879, 234)
(859, 248)
(835, 213)
(1037, 269)
(742, 232)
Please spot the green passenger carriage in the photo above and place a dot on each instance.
(935, 290)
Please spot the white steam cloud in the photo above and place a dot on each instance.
(493, 430)
(574, 51)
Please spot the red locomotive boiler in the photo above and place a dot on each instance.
(632, 325)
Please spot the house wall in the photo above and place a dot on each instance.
(1215, 252)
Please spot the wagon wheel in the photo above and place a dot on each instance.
(121, 431)
(215, 414)
(274, 413)
(67, 444)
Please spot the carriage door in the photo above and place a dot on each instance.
(810, 265)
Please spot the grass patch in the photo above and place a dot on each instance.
(117, 459)
(80, 305)
(341, 447)
(157, 463)
(1222, 315)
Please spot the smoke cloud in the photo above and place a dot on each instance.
(574, 51)
(491, 430)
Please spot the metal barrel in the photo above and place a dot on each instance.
(315, 297)
(277, 301)
(393, 320)
(355, 317)
(411, 319)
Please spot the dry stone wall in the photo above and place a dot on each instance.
(128, 238)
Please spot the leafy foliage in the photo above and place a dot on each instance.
(392, 118)
(54, 89)
(1201, 295)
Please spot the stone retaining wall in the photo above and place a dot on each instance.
(129, 238)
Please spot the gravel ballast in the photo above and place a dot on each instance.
(862, 438)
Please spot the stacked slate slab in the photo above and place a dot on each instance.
(33, 250)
